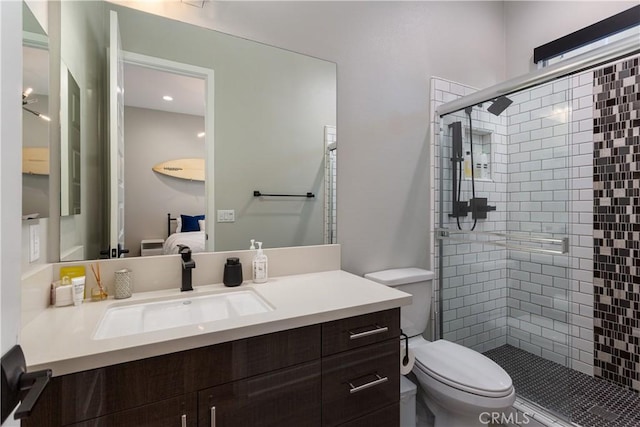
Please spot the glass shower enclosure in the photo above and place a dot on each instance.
(503, 229)
(513, 233)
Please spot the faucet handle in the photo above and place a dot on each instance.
(185, 252)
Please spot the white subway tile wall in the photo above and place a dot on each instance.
(330, 184)
(541, 185)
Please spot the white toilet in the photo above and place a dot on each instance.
(459, 384)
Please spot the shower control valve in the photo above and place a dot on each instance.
(479, 208)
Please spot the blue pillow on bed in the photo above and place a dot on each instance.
(190, 223)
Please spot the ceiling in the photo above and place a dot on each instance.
(35, 70)
(144, 87)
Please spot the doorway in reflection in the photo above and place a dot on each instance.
(163, 126)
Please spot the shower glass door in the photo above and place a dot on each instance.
(503, 215)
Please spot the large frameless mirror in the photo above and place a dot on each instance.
(241, 115)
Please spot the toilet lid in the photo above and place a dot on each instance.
(463, 368)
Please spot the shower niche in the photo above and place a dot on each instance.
(481, 166)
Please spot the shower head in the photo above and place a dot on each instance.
(499, 105)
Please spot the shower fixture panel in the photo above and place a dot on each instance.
(478, 206)
(458, 209)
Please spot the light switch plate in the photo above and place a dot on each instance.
(226, 215)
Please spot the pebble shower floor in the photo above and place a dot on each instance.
(585, 400)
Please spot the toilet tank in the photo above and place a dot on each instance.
(418, 283)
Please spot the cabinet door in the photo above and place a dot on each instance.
(177, 412)
(90, 394)
(289, 397)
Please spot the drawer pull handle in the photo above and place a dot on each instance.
(184, 420)
(377, 330)
(213, 416)
(373, 383)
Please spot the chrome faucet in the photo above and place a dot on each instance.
(187, 265)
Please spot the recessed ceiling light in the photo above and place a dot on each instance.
(201, 134)
(167, 98)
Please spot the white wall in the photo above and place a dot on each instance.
(10, 170)
(529, 24)
(385, 52)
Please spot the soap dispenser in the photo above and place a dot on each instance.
(260, 266)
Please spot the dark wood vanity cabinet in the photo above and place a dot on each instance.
(343, 372)
(361, 370)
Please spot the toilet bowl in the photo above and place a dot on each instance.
(457, 384)
(460, 383)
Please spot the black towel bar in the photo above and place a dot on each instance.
(257, 193)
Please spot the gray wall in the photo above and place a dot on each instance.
(152, 137)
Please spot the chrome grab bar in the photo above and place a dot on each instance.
(445, 233)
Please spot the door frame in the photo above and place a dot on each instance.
(207, 74)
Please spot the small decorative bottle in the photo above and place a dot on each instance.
(260, 266)
(467, 164)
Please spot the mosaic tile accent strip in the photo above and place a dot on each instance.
(616, 222)
(585, 400)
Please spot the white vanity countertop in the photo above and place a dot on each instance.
(61, 338)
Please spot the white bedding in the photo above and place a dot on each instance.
(193, 239)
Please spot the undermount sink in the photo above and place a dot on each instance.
(157, 315)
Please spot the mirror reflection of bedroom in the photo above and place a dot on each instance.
(164, 166)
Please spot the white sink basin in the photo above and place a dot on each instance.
(188, 310)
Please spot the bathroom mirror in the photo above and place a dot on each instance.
(274, 117)
(35, 118)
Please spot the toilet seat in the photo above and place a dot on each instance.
(462, 368)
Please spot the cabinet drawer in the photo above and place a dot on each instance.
(360, 381)
(167, 413)
(385, 417)
(346, 334)
(289, 397)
